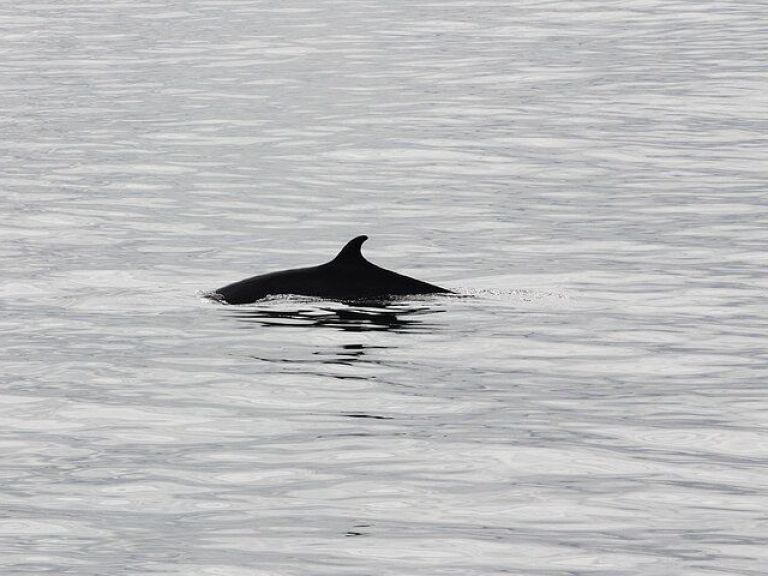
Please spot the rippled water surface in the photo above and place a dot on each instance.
(590, 177)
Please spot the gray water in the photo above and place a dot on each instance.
(589, 176)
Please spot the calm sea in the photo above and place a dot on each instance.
(591, 177)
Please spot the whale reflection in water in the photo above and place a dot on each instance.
(362, 316)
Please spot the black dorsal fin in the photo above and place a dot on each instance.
(350, 254)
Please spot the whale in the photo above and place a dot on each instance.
(349, 276)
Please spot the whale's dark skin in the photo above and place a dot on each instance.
(349, 276)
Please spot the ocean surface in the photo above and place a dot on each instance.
(591, 178)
